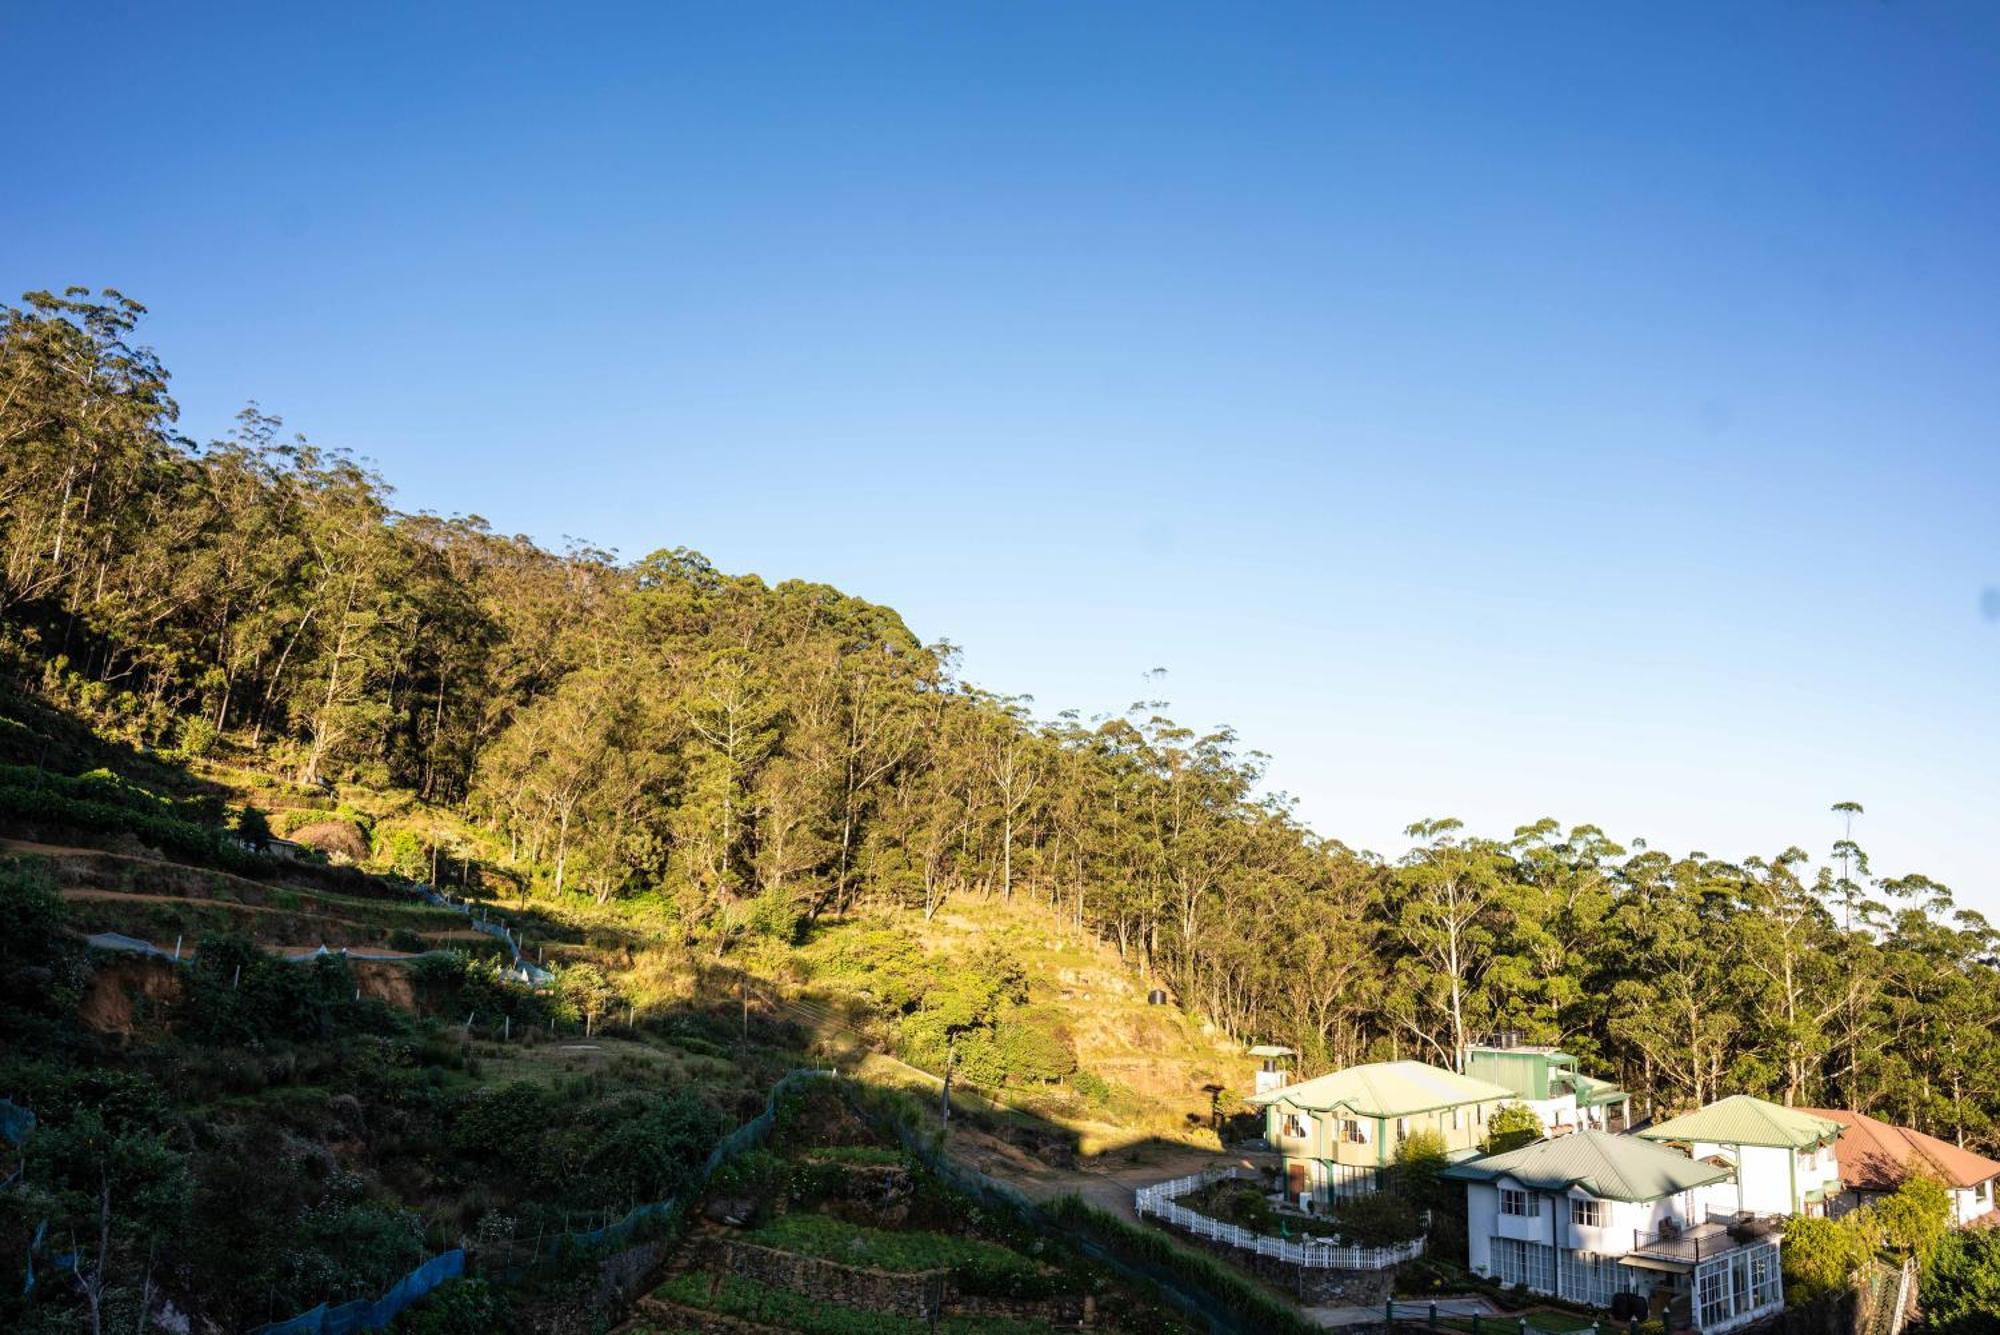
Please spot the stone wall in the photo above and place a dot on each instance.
(910, 1295)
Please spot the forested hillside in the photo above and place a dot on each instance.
(760, 759)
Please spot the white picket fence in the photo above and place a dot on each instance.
(1158, 1201)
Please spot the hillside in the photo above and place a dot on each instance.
(321, 1035)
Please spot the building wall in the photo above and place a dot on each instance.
(1573, 1246)
(1325, 1138)
(1771, 1179)
(1969, 1203)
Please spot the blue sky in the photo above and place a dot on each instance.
(1496, 411)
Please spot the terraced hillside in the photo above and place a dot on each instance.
(834, 1228)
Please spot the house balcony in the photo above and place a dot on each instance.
(1683, 1248)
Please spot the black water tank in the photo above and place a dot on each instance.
(1156, 998)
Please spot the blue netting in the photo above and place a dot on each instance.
(374, 1313)
(16, 1123)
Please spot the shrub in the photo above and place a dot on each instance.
(1820, 1256)
(1960, 1290)
(1915, 1217)
(42, 968)
(462, 1307)
(1375, 1219)
(253, 828)
(1513, 1125)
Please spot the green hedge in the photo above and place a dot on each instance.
(101, 801)
(1148, 1249)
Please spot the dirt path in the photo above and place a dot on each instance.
(74, 892)
(1108, 1181)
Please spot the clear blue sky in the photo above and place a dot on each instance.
(1491, 410)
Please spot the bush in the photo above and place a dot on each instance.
(254, 829)
(1820, 1256)
(1915, 1217)
(1093, 1087)
(1148, 1250)
(462, 1307)
(1513, 1125)
(101, 801)
(42, 968)
(1960, 1291)
(1375, 1219)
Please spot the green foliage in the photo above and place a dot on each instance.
(785, 1310)
(1375, 1219)
(1000, 1271)
(1820, 1256)
(461, 1307)
(103, 803)
(238, 993)
(1511, 1126)
(1093, 1087)
(1960, 1288)
(43, 968)
(253, 827)
(1150, 1249)
(1915, 1216)
(1234, 1201)
(1420, 1157)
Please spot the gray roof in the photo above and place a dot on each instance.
(1617, 1168)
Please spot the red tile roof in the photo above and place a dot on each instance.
(1875, 1156)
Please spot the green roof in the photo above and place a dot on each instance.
(1616, 1168)
(1743, 1120)
(1384, 1089)
(1590, 1091)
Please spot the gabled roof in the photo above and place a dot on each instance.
(1385, 1089)
(1876, 1156)
(1743, 1120)
(1616, 1168)
(1590, 1091)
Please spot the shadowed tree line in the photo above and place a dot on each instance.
(761, 756)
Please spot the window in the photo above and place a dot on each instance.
(1529, 1263)
(1520, 1203)
(1590, 1279)
(1353, 1132)
(1454, 1119)
(1295, 1125)
(1479, 1114)
(1402, 1128)
(1586, 1214)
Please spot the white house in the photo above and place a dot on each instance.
(1591, 1217)
(1784, 1157)
(1875, 1158)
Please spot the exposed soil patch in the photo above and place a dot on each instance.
(119, 991)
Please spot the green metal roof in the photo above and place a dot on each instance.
(1590, 1091)
(1384, 1089)
(1743, 1120)
(1616, 1168)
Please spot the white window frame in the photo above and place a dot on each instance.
(1519, 1203)
(1586, 1212)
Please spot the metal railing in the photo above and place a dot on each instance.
(1158, 1202)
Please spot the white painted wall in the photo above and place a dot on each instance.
(1770, 1179)
(1969, 1203)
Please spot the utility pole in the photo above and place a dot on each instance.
(944, 1098)
(743, 994)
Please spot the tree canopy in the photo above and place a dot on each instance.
(760, 756)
